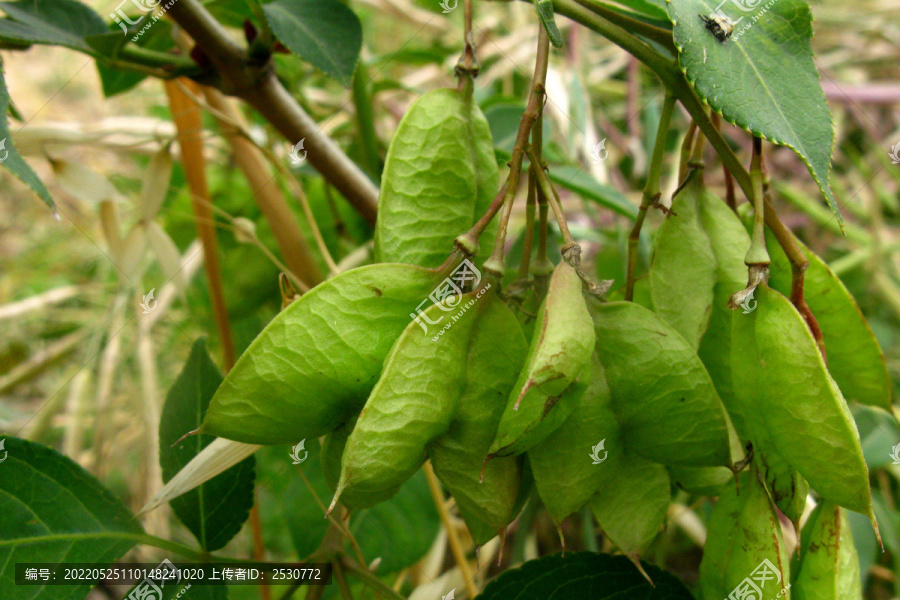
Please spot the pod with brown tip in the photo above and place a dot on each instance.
(555, 373)
(571, 464)
(744, 546)
(829, 565)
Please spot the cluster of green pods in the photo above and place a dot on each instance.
(600, 404)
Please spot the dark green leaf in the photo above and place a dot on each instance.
(325, 33)
(9, 157)
(584, 575)
(216, 510)
(54, 22)
(655, 9)
(197, 592)
(401, 530)
(115, 80)
(763, 78)
(302, 513)
(545, 14)
(52, 510)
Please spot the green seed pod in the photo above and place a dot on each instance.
(439, 177)
(788, 487)
(744, 547)
(701, 481)
(780, 375)
(631, 504)
(682, 267)
(829, 565)
(537, 417)
(332, 450)
(729, 242)
(556, 371)
(664, 400)
(496, 352)
(855, 359)
(571, 464)
(312, 367)
(411, 406)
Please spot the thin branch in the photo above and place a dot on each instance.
(651, 192)
(258, 85)
(532, 111)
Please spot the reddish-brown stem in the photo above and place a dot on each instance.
(730, 198)
(799, 264)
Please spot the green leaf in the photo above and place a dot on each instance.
(52, 510)
(214, 511)
(9, 157)
(855, 359)
(115, 80)
(654, 9)
(302, 513)
(325, 33)
(666, 404)
(581, 575)
(55, 22)
(312, 368)
(401, 530)
(582, 183)
(761, 79)
(544, 10)
(174, 592)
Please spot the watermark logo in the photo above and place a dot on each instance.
(895, 453)
(747, 305)
(595, 452)
(448, 293)
(599, 153)
(894, 153)
(5, 453)
(445, 4)
(148, 588)
(450, 596)
(721, 24)
(751, 588)
(5, 154)
(296, 159)
(296, 450)
(149, 304)
(145, 6)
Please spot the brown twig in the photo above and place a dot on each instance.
(257, 84)
(266, 193)
(189, 123)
